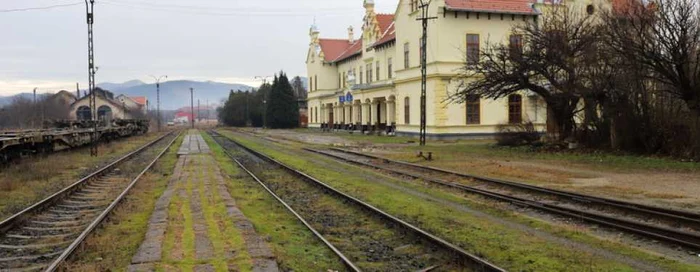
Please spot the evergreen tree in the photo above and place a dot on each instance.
(233, 113)
(282, 109)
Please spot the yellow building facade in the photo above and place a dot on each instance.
(373, 83)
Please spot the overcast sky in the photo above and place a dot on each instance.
(222, 40)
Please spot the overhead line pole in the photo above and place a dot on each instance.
(192, 105)
(90, 8)
(157, 79)
(425, 11)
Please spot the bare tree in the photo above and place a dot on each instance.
(664, 38)
(553, 63)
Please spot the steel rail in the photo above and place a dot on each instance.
(19, 217)
(95, 223)
(482, 264)
(675, 236)
(686, 216)
(346, 261)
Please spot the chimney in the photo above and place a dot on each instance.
(351, 35)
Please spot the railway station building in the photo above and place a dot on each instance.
(373, 82)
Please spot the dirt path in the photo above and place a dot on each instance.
(196, 225)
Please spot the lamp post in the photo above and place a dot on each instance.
(264, 80)
(157, 79)
(34, 110)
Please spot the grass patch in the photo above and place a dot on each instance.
(111, 247)
(295, 246)
(513, 249)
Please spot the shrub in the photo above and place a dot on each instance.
(517, 134)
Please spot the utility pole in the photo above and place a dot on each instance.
(34, 111)
(425, 12)
(247, 110)
(192, 105)
(90, 10)
(157, 79)
(199, 113)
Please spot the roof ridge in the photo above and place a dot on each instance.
(346, 50)
(333, 39)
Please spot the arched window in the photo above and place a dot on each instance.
(84, 113)
(104, 113)
(407, 111)
(515, 109)
(473, 110)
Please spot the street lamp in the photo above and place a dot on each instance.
(264, 80)
(264, 113)
(157, 79)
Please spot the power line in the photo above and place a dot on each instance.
(218, 11)
(39, 8)
(213, 8)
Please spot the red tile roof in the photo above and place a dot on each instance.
(333, 48)
(353, 50)
(336, 50)
(628, 7)
(388, 36)
(141, 100)
(385, 21)
(495, 6)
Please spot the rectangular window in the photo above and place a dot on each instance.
(369, 73)
(316, 82)
(389, 68)
(516, 45)
(407, 111)
(311, 84)
(473, 110)
(340, 81)
(515, 109)
(406, 53)
(377, 67)
(344, 80)
(415, 5)
(361, 74)
(473, 50)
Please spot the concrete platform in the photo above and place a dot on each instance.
(193, 143)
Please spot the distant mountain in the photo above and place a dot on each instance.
(4, 100)
(115, 86)
(176, 94)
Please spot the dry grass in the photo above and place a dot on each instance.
(33, 179)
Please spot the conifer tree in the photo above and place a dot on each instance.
(282, 109)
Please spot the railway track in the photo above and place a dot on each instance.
(361, 235)
(43, 236)
(674, 227)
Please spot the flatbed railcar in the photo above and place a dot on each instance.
(64, 134)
